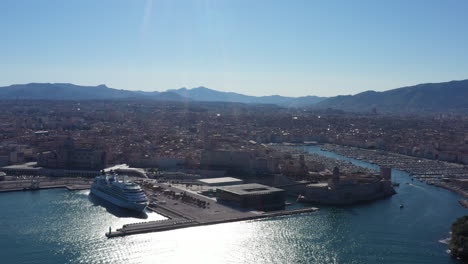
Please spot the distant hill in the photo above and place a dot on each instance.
(209, 95)
(422, 98)
(67, 91)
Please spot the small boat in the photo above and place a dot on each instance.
(401, 206)
(300, 198)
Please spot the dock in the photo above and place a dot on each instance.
(177, 223)
(16, 187)
(198, 210)
(68, 187)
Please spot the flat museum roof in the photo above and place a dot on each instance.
(321, 184)
(220, 180)
(250, 188)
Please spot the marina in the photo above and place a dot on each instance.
(323, 158)
(430, 171)
(433, 172)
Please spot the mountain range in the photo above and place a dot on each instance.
(67, 91)
(209, 95)
(422, 98)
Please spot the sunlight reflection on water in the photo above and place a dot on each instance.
(59, 226)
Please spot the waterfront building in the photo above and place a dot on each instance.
(70, 157)
(31, 169)
(222, 181)
(252, 195)
(350, 188)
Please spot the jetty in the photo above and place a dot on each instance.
(177, 223)
(42, 183)
(195, 210)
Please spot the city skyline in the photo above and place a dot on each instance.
(260, 48)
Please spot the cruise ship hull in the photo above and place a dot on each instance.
(124, 204)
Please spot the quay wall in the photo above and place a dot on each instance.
(161, 226)
(68, 187)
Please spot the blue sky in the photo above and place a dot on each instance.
(256, 47)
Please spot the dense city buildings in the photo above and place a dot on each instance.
(211, 139)
(68, 156)
(148, 132)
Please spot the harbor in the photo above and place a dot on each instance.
(315, 237)
(41, 218)
(180, 212)
(192, 209)
(328, 162)
(426, 170)
(182, 207)
(447, 175)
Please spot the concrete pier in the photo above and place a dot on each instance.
(25, 183)
(171, 224)
(68, 187)
(166, 200)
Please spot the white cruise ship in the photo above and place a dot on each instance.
(120, 192)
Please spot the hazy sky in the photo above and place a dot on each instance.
(253, 47)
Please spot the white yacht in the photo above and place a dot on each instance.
(120, 191)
